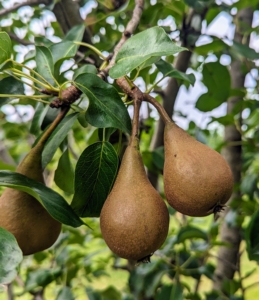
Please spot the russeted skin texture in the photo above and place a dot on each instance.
(196, 177)
(134, 219)
(22, 215)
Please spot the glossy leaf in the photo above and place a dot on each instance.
(56, 138)
(75, 33)
(217, 79)
(135, 51)
(64, 174)
(10, 85)
(167, 70)
(106, 108)
(63, 50)
(245, 51)
(252, 237)
(10, 256)
(190, 232)
(54, 203)
(39, 115)
(105, 133)
(85, 69)
(95, 173)
(45, 64)
(5, 47)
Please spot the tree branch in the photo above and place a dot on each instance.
(15, 38)
(130, 28)
(6, 11)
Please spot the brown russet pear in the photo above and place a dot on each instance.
(23, 215)
(197, 179)
(134, 219)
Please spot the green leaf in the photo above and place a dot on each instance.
(105, 133)
(45, 64)
(54, 203)
(56, 138)
(95, 173)
(198, 5)
(245, 51)
(39, 115)
(225, 120)
(10, 85)
(252, 237)
(167, 70)
(215, 46)
(41, 278)
(65, 294)
(62, 51)
(64, 174)
(176, 292)
(164, 292)
(135, 51)
(5, 47)
(85, 69)
(158, 157)
(10, 256)
(190, 232)
(207, 270)
(249, 184)
(106, 108)
(110, 293)
(75, 33)
(217, 79)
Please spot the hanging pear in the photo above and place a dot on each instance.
(134, 219)
(197, 179)
(22, 214)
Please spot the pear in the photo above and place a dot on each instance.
(134, 219)
(197, 179)
(21, 214)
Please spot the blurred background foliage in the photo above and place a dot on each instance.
(80, 265)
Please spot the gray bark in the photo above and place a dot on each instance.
(228, 257)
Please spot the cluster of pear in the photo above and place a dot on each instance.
(134, 219)
(197, 182)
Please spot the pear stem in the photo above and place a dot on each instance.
(134, 93)
(45, 136)
(164, 115)
(135, 121)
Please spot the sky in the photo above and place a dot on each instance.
(185, 103)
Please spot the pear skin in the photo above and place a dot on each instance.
(134, 219)
(22, 214)
(197, 179)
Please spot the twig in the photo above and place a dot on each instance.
(6, 11)
(135, 93)
(130, 28)
(17, 39)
